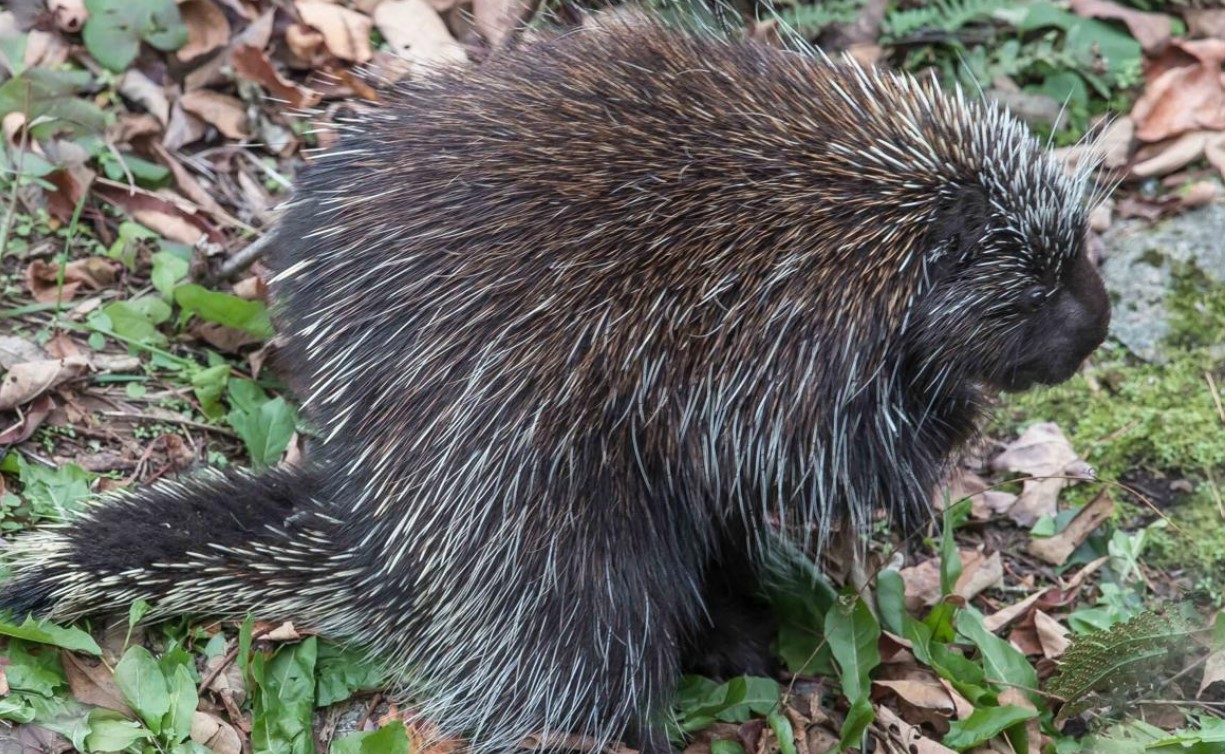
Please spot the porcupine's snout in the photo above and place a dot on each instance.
(1069, 328)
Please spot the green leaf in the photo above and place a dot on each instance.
(853, 634)
(208, 385)
(54, 492)
(858, 718)
(984, 724)
(781, 725)
(115, 28)
(724, 746)
(135, 320)
(801, 598)
(701, 701)
(44, 632)
(224, 309)
(110, 731)
(341, 672)
(950, 559)
(891, 600)
(390, 739)
(34, 669)
(143, 686)
(266, 432)
(168, 269)
(183, 703)
(50, 95)
(146, 173)
(1002, 662)
(285, 700)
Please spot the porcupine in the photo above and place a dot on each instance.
(575, 326)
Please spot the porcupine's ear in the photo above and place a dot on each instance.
(959, 224)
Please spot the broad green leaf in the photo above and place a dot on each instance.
(183, 703)
(168, 269)
(1002, 662)
(265, 432)
(724, 746)
(853, 634)
(781, 725)
(984, 724)
(390, 739)
(891, 600)
(950, 559)
(224, 309)
(115, 28)
(45, 632)
(209, 385)
(285, 700)
(340, 672)
(801, 597)
(34, 668)
(109, 731)
(135, 320)
(140, 679)
(858, 718)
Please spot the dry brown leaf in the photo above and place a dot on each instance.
(1052, 635)
(417, 34)
(25, 382)
(69, 15)
(1057, 549)
(222, 111)
(1183, 91)
(171, 225)
(217, 735)
(983, 502)
(30, 419)
(183, 129)
(1214, 672)
(251, 62)
(908, 737)
(92, 682)
(1201, 193)
(1168, 156)
(15, 350)
(92, 273)
(1044, 453)
(207, 28)
(922, 581)
(131, 126)
(191, 188)
(1204, 22)
(498, 20)
(1033, 731)
(927, 693)
(1004, 616)
(178, 222)
(138, 87)
(345, 32)
(1151, 30)
(304, 42)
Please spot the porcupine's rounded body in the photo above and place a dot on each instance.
(573, 326)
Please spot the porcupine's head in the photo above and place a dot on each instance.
(1014, 299)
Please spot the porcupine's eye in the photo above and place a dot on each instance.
(1033, 298)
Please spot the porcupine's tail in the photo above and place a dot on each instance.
(217, 543)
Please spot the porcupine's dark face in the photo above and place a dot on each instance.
(1030, 305)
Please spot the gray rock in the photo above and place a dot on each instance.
(1138, 272)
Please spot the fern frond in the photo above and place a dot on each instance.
(1121, 660)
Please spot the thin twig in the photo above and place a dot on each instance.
(241, 260)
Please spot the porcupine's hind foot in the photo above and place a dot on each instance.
(214, 544)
